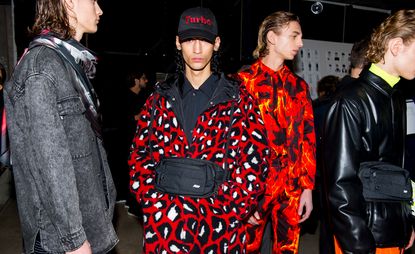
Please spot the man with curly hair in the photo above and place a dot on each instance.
(366, 123)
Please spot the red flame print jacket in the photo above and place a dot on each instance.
(286, 108)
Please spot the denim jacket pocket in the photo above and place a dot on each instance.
(72, 113)
(70, 106)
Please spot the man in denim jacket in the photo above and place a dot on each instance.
(65, 192)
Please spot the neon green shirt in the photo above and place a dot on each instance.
(390, 79)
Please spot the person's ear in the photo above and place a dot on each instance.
(70, 10)
(271, 37)
(395, 45)
(178, 45)
(69, 4)
(216, 45)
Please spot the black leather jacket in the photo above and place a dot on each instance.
(366, 122)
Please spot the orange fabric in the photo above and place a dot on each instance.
(392, 250)
(286, 109)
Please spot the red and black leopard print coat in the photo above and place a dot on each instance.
(179, 224)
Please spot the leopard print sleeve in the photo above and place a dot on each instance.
(250, 162)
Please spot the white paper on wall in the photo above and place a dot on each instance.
(317, 59)
(410, 117)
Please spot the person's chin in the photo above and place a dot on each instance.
(291, 57)
(198, 67)
(93, 30)
(409, 77)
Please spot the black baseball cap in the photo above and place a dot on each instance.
(198, 22)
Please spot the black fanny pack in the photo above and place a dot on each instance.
(189, 177)
(384, 181)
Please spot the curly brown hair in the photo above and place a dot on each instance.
(401, 24)
(274, 22)
(52, 15)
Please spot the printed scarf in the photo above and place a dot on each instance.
(83, 61)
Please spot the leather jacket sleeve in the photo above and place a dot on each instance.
(342, 147)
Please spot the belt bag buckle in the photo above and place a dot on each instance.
(189, 177)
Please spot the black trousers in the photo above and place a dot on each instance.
(38, 246)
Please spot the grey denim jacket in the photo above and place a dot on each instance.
(65, 192)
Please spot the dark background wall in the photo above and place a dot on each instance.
(142, 33)
(145, 30)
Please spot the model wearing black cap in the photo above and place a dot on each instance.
(198, 23)
(201, 115)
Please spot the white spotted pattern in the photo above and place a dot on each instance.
(157, 216)
(219, 228)
(174, 248)
(172, 214)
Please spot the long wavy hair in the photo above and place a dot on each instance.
(274, 22)
(52, 15)
(401, 24)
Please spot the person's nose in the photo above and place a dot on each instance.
(197, 46)
(99, 10)
(300, 43)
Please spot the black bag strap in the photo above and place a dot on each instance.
(228, 136)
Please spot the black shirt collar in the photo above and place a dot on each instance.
(208, 87)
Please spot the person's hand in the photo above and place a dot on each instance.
(411, 241)
(254, 219)
(306, 202)
(84, 249)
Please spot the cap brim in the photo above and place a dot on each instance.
(197, 34)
